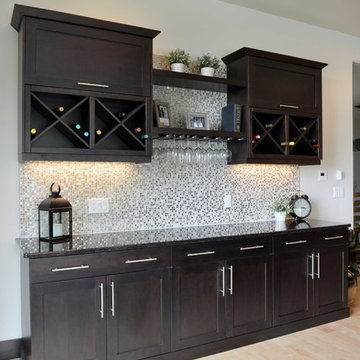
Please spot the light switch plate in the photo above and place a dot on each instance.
(338, 192)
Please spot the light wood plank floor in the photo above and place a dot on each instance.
(339, 340)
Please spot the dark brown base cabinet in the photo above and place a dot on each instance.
(182, 301)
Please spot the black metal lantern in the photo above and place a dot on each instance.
(55, 219)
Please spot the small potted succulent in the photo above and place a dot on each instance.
(280, 207)
(178, 59)
(207, 64)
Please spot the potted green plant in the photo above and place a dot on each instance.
(178, 59)
(280, 207)
(207, 64)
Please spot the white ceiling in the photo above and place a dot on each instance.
(339, 15)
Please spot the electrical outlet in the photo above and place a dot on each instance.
(227, 201)
(98, 206)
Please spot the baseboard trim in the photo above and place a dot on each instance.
(10, 349)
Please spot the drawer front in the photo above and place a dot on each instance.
(332, 237)
(254, 246)
(277, 85)
(198, 253)
(102, 263)
(294, 242)
(74, 56)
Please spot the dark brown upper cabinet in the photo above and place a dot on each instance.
(282, 99)
(100, 72)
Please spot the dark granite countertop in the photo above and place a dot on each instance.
(89, 243)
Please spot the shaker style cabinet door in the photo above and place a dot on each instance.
(293, 288)
(198, 304)
(80, 57)
(68, 320)
(280, 85)
(249, 295)
(138, 314)
(331, 279)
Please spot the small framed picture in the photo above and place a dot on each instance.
(162, 113)
(198, 121)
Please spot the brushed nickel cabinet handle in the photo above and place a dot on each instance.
(140, 260)
(102, 300)
(296, 242)
(252, 247)
(318, 265)
(79, 267)
(333, 238)
(231, 269)
(201, 253)
(223, 281)
(312, 266)
(112, 309)
(286, 106)
(80, 83)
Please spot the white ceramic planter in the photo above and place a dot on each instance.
(280, 216)
(207, 71)
(178, 67)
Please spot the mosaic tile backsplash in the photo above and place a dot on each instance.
(157, 195)
(167, 192)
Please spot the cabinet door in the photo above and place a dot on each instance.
(138, 314)
(66, 320)
(331, 279)
(293, 288)
(279, 85)
(198, 304)
(74, 56)
(249, 295)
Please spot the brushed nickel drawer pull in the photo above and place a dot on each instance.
(289, 106)
(201, 253)
(252, 247)
(80, 83)
(296, 242)
(79, 267)
(333, 238)
(140, 260)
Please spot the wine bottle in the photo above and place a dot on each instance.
(98, 132)
(316, 146)
(76, 127)
(257, 137)
(85, 134)
(268, 126)
(312, 141)
(294, 138)
(59, 110)
(290, 143)
(121, 115)
(303, 128)
(33, 132)
(140, 134)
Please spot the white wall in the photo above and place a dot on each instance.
(198, 26)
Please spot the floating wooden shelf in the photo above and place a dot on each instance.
(212, 134)
(193, 81)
